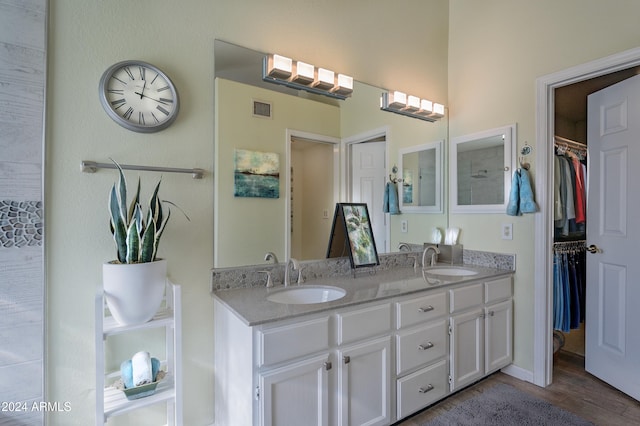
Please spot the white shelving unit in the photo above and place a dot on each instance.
(112, 402)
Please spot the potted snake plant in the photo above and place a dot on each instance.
(135, 281)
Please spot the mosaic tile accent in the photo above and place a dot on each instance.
(21, 223)
(489, 260)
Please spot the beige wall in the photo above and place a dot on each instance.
(362, 38)
(247, 228)
(497, 50)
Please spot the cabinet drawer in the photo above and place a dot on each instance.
(362, 323)
(415, 311)
(292, 341)
(421, 346)
(466, 297)
(422, 388)
(497, 290)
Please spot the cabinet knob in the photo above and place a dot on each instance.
(346, 359)
(426, 346)
(426, 309)
(327, 365)
(491, 313)
(426, 389)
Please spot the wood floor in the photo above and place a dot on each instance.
(573, 389)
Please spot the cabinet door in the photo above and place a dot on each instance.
(498, 336)
(467, 348)
(296, 394)
(364, 374)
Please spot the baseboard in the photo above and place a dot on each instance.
(518, 373)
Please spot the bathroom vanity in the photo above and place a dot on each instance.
(397, 342)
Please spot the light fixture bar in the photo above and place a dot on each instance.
(411, 106)
(328, 84)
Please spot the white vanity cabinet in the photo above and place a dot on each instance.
(481, 330)
(363, 356)
(370, 363)
(421, 352)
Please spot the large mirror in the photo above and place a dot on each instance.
(481, 165)
(316, 140)
(420, 186)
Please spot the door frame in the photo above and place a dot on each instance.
(290, 135)
(545, 130)
(347, 166)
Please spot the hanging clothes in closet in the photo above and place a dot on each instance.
(569, 284)
(570, 214)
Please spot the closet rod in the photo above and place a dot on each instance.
(92, 167)
(560, 141)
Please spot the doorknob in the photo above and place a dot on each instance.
(593, 249)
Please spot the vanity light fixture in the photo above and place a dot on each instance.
(302, 76)
(411, 106)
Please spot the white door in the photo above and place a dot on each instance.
(467, 348)
(368, 178)
(612, 350)
(296, 394)
(364, 383)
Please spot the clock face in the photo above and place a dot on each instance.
(139, 96)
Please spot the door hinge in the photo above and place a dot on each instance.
(257, 393)
(450, 330)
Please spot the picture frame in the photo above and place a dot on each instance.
(352, 235)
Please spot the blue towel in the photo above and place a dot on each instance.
(521, 198)
(390, 203)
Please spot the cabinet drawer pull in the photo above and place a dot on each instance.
(426, 389)
(426, 346)
(327, 365)
(426, 309)
(346, 359)
(491, 313)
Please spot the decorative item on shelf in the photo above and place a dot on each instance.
(411, 106)
(139, 376)
(134, 283)
(303, 76)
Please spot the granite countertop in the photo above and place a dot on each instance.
(253, 308)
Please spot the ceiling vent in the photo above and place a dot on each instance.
(262, 109)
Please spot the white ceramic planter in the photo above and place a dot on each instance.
(134, 291)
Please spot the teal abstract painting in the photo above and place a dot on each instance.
(257, 174)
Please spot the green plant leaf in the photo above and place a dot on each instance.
(122, 192)
(134, 202)
(118, 226)
(133, 243)
(148, 246)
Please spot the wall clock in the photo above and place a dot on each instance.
(139, 96)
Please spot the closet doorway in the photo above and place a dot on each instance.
(555, 92)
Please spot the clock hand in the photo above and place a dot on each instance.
(153, 99)
(142, 93)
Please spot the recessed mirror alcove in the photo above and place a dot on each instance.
(420, 188)
(245, 229)
(481, 165)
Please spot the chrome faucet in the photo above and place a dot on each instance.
(434, 256)
(296, 267)
(404, 246)
(271, 256)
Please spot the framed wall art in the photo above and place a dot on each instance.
(352, 235)
(257, 174)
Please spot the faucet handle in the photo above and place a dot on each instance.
(269, 281)
(300, 277)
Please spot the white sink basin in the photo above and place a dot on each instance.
(451, 271)
(307, 294)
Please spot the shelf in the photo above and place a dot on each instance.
(161, 319)
(112, 402)
(116, 403)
